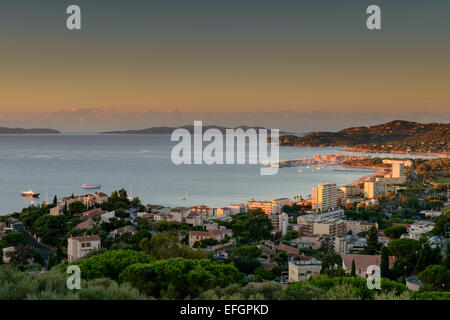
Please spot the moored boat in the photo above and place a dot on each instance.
(91, 186)
(30, 194)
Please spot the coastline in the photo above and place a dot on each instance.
(363, 150)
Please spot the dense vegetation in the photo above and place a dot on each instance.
(392, 136)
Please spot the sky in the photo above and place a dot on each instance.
(289, 64)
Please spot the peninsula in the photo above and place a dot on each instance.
(4, 130)
(392, 137)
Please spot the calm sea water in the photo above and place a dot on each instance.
(60, 164)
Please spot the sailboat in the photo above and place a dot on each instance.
(130, 197)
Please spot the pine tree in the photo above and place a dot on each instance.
(55, 200)
(428, 256)
(353, 268)
(384, 264)
(372, 246)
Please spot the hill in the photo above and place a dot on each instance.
(27, 131)
(395, 136)
(169, 130)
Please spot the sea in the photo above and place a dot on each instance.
(141, 164)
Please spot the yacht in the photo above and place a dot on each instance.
(30, 194)
(91, 186)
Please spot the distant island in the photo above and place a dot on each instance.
(190, 128)
(4, 130)
(392, 137)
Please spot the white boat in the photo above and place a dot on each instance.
(91, 186)
(30, 194)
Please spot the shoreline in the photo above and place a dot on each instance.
(362, 150)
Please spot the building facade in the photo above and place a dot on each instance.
(324, 197)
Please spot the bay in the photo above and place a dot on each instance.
(60, 164)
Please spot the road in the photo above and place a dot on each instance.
(32, 242)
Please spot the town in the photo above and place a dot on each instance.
(318, 246)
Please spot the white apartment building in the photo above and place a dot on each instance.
(283, 224)
(324, 197)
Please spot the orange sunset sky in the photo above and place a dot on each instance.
(293, 64)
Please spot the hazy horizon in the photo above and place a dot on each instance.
(287, 121)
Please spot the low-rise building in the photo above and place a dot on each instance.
(79, 247)
(362, 263)
(414, 284)
(431, 213)
(304, 268)
(195, 236)
(195, 219)
(418, 228)
(85, 225)
(309, 241)
(124, 229)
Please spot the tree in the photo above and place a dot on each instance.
(384, 264)
(24, 256)
(76, 207)
(55, 200)
(51, 229)
(441, 224)
(252, 226)
(372, 246)
(204, 243)
(250, 251)
(12, 239)
(446, 261)
(291, 234)
(110, 264)
(404, 248)
(121, 213)
(55, 257)
(436, 277)
(427, 256)
(179, 278)
(330, 260)
(353, 274)
(245, 264)
(395, 232)
(165, 245)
